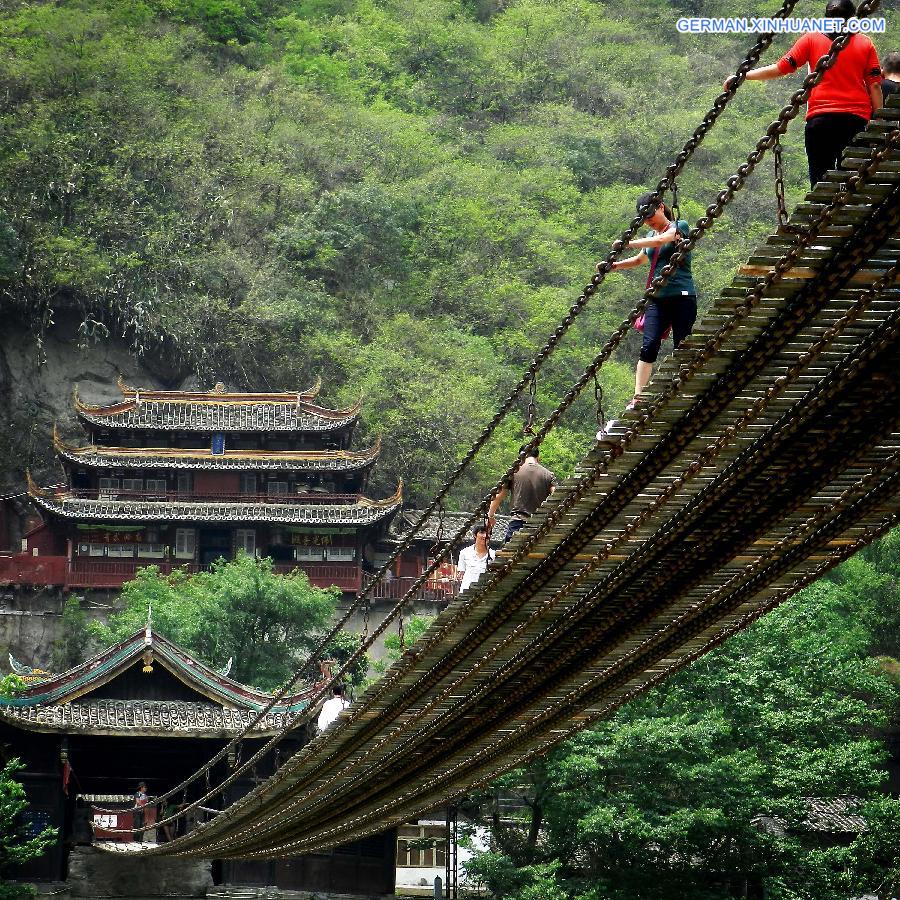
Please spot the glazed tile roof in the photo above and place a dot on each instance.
(65, 687)
(248, 460)
(363, 512)
(216, 413)
(172, 718)
(453, 521)
(834, 815)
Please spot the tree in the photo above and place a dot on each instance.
(240, 609)
(414, 628)
(18, 842)
(663, 800)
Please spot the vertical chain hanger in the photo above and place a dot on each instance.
(599, 412)
(531, 409)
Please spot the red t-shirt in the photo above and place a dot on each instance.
(844, 87)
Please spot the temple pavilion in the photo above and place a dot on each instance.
(145, 709)
(179, 479)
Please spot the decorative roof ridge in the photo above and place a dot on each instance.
(168, 718)
(129, 404)
(219, 395)
(75, 453)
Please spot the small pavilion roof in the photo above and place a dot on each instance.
(431, 527)
(215, 411)
(94, 456)
(64, 702)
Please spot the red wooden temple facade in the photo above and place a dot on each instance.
(180, 479)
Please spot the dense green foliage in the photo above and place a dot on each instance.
(242, 610)
(413, 629)
(404, 197)
(17, 843)
(662, 800)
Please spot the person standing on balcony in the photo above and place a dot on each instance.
(473, 560)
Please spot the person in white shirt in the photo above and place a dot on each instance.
(332, 708)
(473, 561)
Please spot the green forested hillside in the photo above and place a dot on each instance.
(403, 196)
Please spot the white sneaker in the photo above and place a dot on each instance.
(603, 433)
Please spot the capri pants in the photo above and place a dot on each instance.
(661, 313)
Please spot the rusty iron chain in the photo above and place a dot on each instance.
(531, 409)
(599, 412)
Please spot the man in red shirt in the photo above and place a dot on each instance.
(841, 104)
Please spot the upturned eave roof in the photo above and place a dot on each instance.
(216, 412)
(95, 456)
(92, 674)
(363, 512)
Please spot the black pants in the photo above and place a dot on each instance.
(137, 822)
(679, 313)
(826, 137)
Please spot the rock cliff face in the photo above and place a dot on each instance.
(36, 383)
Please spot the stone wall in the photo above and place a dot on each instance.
(31, 620)
(97, 874)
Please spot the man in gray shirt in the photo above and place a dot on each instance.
(531, 485)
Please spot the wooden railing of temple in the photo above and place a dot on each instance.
(84, 572)
(766, 450)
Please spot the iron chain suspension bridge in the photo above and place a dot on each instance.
(765, 451)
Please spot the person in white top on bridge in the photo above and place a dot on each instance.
(332, 708)
(473, 560)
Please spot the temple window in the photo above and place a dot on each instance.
(421, 847)
(156, 486)
(245, 539)
(248, 482)
(310, 554)
(120, 551)
(277, 487)
(185, 543)
(155, 551)
(185, 483)
(133, 484)
(109, 488)
(340, 554)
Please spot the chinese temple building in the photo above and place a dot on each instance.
(146, 710)
(179, 479)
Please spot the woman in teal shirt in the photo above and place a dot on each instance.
(675, 304)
